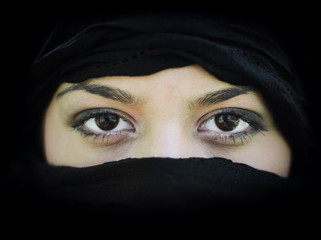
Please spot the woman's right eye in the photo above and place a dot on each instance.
(103, 125)
(107, 122)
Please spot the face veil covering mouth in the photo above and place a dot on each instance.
(142, 45)
(162, 187)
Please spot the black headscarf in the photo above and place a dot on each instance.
(240, 53)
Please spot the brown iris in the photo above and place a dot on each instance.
(107, 121)
(226, 122)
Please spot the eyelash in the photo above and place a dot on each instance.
(253, 120)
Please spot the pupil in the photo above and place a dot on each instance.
(226, 122)
(107, 121)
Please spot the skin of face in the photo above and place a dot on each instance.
(164, 120)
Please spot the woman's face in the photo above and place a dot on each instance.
(177, 113)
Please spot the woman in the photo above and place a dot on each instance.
(166, 114)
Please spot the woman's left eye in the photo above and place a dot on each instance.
(225, 123)
(103, 125)
(230, 126)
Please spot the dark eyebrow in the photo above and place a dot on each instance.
(222, 95)
(104, 91)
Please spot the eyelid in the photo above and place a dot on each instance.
(81, 117)
(244, 114)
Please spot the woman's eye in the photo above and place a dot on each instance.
(225, 123)
(106, 122)
(230, 126)
(103, 125)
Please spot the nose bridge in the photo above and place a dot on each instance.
(167, 130)
(169, 139)
(168, 142)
